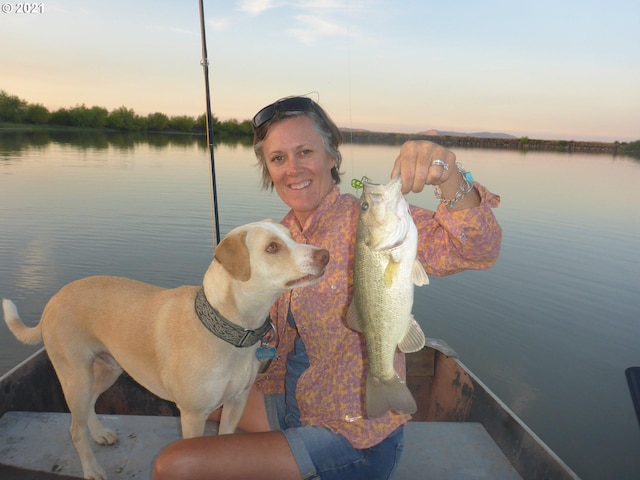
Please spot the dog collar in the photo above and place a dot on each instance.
(224, 329)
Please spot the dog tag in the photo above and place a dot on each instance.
(265, 353)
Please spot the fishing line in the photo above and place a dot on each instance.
(349, 89)
(209, 124)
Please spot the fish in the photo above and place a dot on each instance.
(385, 273)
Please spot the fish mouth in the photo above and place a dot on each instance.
(306, 280)
(380, 188)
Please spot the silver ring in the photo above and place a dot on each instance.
(440, 163)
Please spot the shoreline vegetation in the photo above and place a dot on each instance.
(19, 115)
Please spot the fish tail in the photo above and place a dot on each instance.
(392, 394)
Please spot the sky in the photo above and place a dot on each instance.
(561, 69)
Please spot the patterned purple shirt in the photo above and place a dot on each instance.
(331, 392)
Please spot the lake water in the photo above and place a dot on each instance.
(550, 329)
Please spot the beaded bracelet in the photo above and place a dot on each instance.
(465, 187)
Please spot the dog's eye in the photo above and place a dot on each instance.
(364, 207)
(273, 247)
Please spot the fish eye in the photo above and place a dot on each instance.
(364, 207)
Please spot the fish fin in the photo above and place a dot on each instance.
(391, 272)
(353, 319)
(385, 395)
(418, 276)
(414, 339)
(441, 346)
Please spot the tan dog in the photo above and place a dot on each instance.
(97, 327)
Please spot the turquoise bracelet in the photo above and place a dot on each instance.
(465, 187)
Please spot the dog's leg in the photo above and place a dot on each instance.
(193, 423)
(76, 384)
(105, 372)
(232, 411)
(90, 467)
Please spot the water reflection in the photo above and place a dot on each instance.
(12, 141)
(552, 325)
(36, 267)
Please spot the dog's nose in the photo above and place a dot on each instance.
(321, 256)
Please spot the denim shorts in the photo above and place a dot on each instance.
(322, 454)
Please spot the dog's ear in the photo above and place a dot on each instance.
(233, 254)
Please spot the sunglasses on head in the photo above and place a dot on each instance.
(291, 104)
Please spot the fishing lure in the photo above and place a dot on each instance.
(359, 184)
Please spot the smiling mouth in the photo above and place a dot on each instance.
(300, 186)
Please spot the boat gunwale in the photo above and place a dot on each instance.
(444, 379)
(545, 460)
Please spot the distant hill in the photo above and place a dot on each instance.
(480, 140)
(438, 133)
(433, 133)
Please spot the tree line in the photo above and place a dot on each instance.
(15, 110)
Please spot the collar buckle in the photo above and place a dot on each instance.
(226, 330)
(248, 333)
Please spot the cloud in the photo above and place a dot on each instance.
(218, 24)
(322, 4)
(164, 29)
(256, 7)
(311, 27)
(309, 19)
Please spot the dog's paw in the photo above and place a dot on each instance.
(105, 437)
(94, 472)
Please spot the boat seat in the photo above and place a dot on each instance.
(40, 441)
(452, 451)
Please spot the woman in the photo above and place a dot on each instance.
(305, 417)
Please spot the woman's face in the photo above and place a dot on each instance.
(298, 165)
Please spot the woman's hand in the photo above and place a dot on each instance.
(420, 163)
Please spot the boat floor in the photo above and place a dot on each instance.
(41, 441)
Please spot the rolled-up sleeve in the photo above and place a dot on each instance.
(453, 241)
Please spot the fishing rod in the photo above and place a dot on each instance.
(205, 67)
(633, 380)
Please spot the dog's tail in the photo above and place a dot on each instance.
(28, 335)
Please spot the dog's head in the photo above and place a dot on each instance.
(264, 253)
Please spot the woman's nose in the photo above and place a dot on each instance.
(294, 165)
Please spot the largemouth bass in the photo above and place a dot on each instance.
(385, 273)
